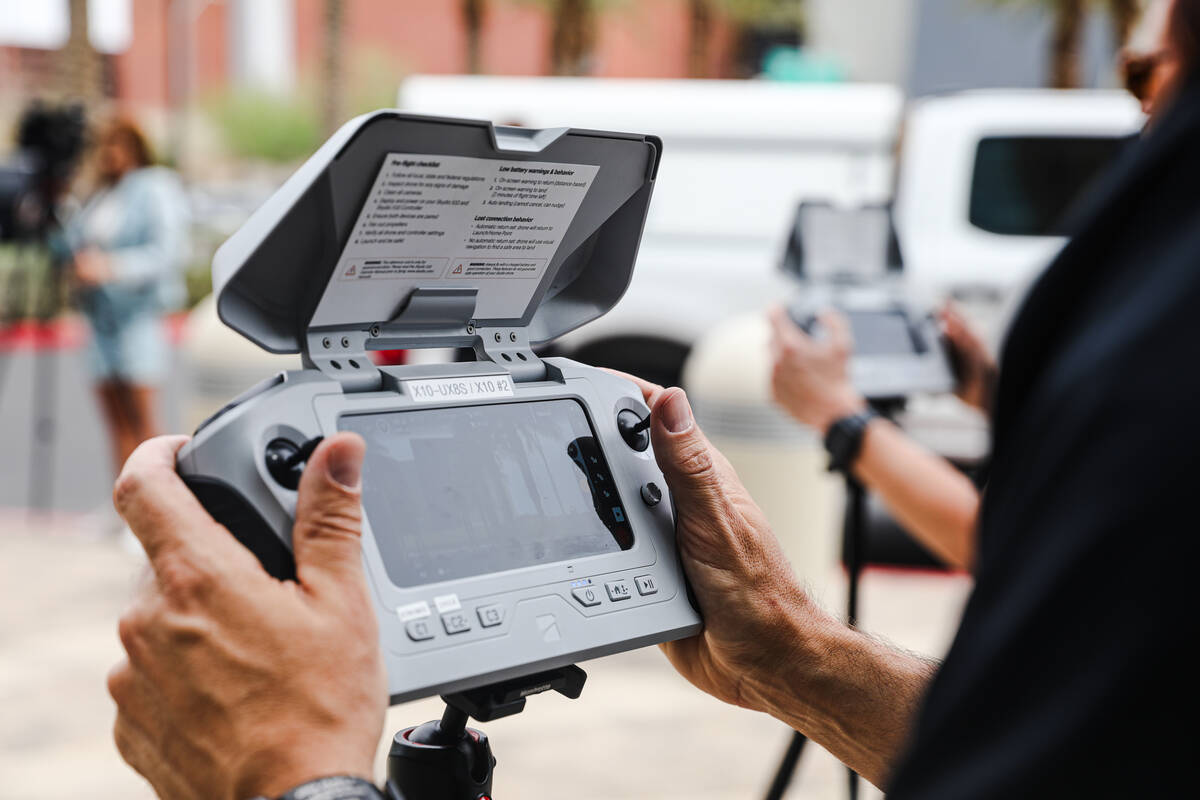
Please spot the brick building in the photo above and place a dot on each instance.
(175, 49)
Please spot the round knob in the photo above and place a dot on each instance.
(282, 463)
(633, 429)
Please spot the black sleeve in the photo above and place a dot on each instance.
(1072, 673)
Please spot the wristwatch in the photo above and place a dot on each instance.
(338, 787)
(844, 439)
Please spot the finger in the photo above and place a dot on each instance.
(144, 753)
(161, 511)
(651, 392)
(684, 455)
(135, 699)
(327, 536)
(786, 332)
(837, 329)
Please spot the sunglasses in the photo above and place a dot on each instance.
(1137, 71)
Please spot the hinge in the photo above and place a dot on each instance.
(509, 348)
(342, 356)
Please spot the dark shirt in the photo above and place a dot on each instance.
(1073, 672)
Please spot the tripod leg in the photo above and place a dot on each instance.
(854, 533)
(41, 466)
(787, 767)
(45, 378)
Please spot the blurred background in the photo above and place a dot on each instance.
(971, 124)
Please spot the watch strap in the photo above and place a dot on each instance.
(337, 787)
(844, 440)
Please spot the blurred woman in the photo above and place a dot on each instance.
(128, 243)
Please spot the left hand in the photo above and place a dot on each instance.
(810, 378)
(92, 268)
(237, 684)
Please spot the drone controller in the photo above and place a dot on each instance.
(897, 351)
(515, 520)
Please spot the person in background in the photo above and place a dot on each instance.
(126, 248)
(934, 501)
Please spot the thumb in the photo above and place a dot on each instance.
(684, 455)
(327, 535)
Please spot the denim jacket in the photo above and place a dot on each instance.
(148, 247)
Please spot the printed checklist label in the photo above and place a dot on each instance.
(453, 221)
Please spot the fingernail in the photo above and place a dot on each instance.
(676, 413)
(345, 466)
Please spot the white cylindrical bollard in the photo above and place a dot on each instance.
(781, 462)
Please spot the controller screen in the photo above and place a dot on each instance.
(458, 492)
(882, 333)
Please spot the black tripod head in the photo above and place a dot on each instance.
(446, 759)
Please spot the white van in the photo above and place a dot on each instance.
(983, 179)
(738, 157)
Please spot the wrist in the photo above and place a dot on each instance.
(847, 403)
(278, 776)
(801, 642)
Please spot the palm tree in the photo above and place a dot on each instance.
(78, 68)
(572, 33)
(573, 36)
(332, 66)
(1066, 39)
(472, 15)
(776, 14)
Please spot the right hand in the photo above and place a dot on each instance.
(750, 598)
(977, 369)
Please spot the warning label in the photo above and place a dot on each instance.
(498, 268)
(394, 268)
(434, 220)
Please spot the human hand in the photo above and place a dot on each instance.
(236, 684)
(755, 611)
(810, 378)
(92, 267)
(976, 367)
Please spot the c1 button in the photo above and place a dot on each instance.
(587, 596)
(419, 630)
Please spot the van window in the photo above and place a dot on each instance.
(1025, 185)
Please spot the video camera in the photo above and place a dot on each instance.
(516, 520)
(50, 141)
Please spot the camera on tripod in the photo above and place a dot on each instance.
(50, 141)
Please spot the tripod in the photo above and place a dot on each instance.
(854, 557)
(34, 292)
(446, 759)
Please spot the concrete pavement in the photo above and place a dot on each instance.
(638, 731)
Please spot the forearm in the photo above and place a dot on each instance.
(855, 696)
(928, 496)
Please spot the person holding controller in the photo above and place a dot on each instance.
(1070, 675)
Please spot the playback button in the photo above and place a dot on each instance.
(587, 596)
